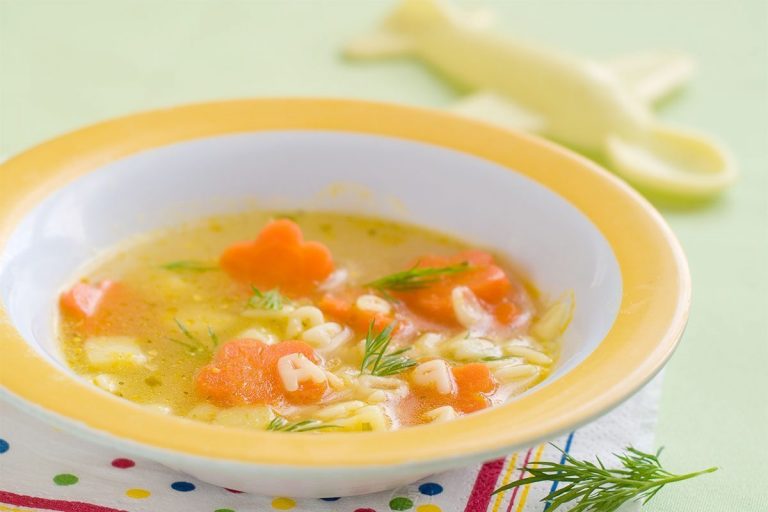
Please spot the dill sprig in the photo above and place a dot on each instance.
(377, 361)
(214, 337)
(595, 488)
(271, 299)
(188, 266)
(415, 277)
(497, 358)
(281, 424)
(193, 345)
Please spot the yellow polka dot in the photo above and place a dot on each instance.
(283, 503)
(138, 494)
(428, 508)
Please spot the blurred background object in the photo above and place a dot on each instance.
(601, 109)
(67, 64)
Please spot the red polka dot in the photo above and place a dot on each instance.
(123, 463)
(234, 491)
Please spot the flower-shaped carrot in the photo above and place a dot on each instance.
(85, 300)
(435, 277)
(343, 308)
(279, 257)
(248, 371)
(467, 392)
(99, 308)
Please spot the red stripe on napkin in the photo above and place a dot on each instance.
(485, 484)
(522, 475)
(46, 504)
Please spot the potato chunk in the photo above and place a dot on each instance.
(106, 351)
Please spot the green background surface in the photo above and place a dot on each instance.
(64, 64)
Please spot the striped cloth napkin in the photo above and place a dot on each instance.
(42, 468)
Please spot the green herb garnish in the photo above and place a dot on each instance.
(415, 277)
(214, 337)
(191, 349)
(193, 345)
(271, 299)
(189, 266)
(595, 488)
(376, 361)
(280, 424)
(497, 358)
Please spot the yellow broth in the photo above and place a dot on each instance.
(182, 307)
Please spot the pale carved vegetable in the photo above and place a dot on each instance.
(441, 414)
(106, 351)
(249, 416)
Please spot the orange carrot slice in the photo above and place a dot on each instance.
(309, 392)
(237, 375)
(488, 282)
(474, 382)
(505, 312)
(85, 300)
(244, 371)
(345, 311)
(279, 258)
(108, 308)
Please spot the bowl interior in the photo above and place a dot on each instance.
(554, 244)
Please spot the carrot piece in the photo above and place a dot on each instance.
(107, 308)
(84, 300)
(506, 311)
(237, 375)
(287, 347)
(335, 306)
(309, 392)
(244, 371)
(346, 311)
(486, 280)
(473, 381)
(279, 257)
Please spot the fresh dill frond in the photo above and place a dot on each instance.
(593, 487)
(281, 424)
(415, 277)
(271, 299)
(193, 345)
(214, 337)
(191, 349)
(377, 361)
(497, 358)
(185, 331)
(188, 266)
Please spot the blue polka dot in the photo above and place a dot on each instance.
(183, 486)
(330, 499)
(4, 446)
(430, 488)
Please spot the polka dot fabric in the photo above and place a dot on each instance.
(63, 473)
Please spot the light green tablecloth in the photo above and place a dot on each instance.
(69, 63)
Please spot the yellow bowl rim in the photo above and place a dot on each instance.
(653, 312)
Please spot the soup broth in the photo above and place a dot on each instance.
(308, 321)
